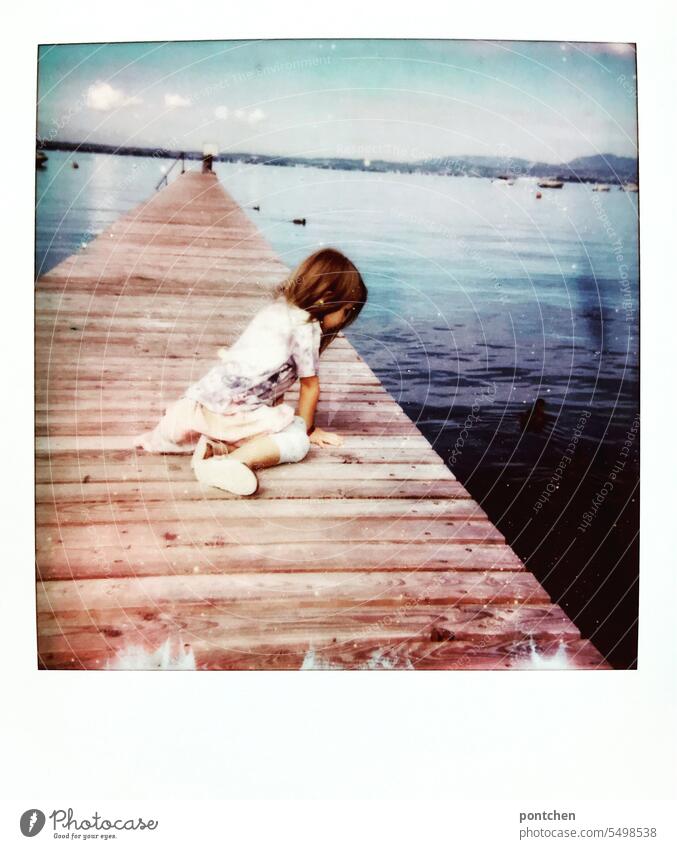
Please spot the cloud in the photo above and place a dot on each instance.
(176, 101)
(617, 48)
(252, 117)
(103, 97)
(255, 116)
(221, 112)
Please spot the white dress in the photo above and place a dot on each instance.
(280, 344)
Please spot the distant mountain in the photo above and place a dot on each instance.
(601, 168)
(605, 167)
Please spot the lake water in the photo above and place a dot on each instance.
(483, 299)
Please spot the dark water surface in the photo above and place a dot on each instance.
(483, 300)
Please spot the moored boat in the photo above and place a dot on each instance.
(550, 184)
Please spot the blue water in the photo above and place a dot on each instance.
(483, 299)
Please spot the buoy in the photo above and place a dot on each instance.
(538, 195)
(75, 165)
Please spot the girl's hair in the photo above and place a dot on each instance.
(323, 283)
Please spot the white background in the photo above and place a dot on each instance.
(552, 736)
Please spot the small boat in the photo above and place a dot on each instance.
(630, 187)
(600, 187)
(550, 184)
(40, 159)
(301, 221)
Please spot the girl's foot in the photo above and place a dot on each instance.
(216, 449)
(207, 448)
(200, 451)
(224, 473)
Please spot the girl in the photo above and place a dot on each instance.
(239, 403)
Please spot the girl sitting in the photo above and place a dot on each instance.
(237, 407)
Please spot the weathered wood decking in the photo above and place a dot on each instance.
(368, 555)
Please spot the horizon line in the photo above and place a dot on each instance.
(196, 154)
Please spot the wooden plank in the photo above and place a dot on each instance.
(85, 397)
(73, 465)
(228, 531)
(103, 634)
(135, 420)
(49, 464)
(240, 622)
(273, 510)
(373, 656)
(70, 444)
(376, 653)
(57, 562)
(347, 426)
(189, 490)
(179, 470)
(295, 589)
(64, 343)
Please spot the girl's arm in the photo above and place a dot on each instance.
(309, 395)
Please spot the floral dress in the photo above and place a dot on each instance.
(246, 389)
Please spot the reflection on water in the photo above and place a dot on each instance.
(74, 205)
(483, 300)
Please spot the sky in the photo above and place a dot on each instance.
(399, 100)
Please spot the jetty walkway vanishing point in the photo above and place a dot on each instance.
(369, 555)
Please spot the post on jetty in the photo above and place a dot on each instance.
(369, 555)
(209, 151)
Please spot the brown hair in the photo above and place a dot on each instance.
(323, 283)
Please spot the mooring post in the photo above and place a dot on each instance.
(209, 151)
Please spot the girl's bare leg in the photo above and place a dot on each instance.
(171, 432)
(258, 453)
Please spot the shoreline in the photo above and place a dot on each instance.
(458, 166)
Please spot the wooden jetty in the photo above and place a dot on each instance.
(371, 555)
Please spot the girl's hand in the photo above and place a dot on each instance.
(323, 437)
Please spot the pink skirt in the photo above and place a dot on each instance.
(244, 423)
(185, 419)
